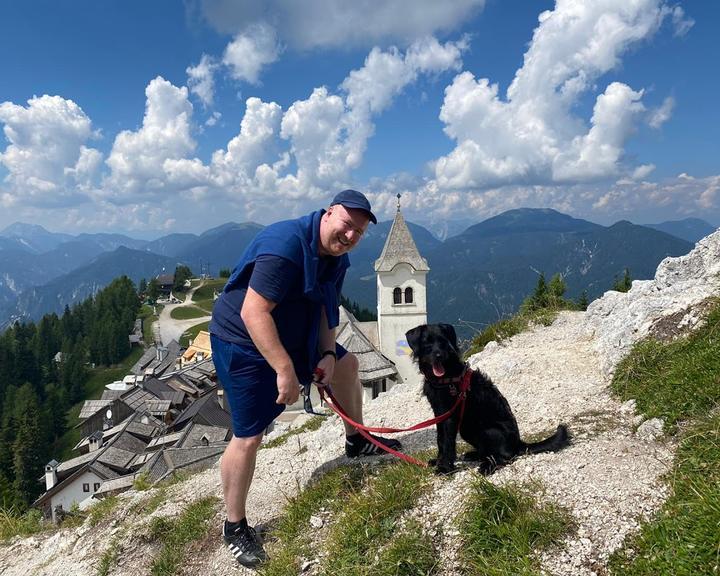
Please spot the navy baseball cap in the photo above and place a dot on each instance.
(354, 199)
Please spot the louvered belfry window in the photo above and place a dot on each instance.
(397, 296)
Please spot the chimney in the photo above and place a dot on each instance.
(96, 441)
(51, 474)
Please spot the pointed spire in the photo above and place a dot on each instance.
(400, 247)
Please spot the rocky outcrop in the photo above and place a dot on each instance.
(671, 302)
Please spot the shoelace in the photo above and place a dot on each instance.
(249, 537)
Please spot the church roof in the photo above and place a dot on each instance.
(400, 247)
(373, 365)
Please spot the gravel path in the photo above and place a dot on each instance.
(171, 329)
(609, 478)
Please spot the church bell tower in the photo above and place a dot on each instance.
(401, 295)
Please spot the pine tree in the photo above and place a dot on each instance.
(8, 431)
(182, 273)
(153, 290)
(583, 301)
(539, 299)
(624, 284)
(556, 290)
(28, 448)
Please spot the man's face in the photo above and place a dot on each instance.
(341, 229)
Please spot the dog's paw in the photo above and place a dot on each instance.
(432, 462)
(444, 468)
(471, 456)
(487, 467)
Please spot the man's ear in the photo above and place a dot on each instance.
(449, 332)
(414, 336)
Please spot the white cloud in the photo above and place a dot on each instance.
(709, 199)
(250, 51)
(137, 158)
(660, 115)
(339, 24)
(681, 23)
(424, 202)
(328, 134)
(597, 153)
(46, 158)
(213, 119)
(643, 171)
(201, 80)
(252, 147)
(533, 136)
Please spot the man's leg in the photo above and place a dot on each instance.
(347, 389)
(348, 392)
(236, 470)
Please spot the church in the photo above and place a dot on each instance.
(380, 346)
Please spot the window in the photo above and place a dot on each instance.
(408, 295)
(397, 296)
(86, 487)
(96, 486)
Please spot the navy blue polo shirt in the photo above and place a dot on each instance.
(280, 281)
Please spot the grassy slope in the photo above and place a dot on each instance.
(679, 382)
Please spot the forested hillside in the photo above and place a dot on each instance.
(37, 387)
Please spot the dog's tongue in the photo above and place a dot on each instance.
(438, 370)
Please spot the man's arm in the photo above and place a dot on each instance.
(326, 341)
(255, 313)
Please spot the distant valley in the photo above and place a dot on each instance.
(476, 276)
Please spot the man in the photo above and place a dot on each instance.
(272, 326)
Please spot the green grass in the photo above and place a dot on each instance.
(369, 519)
(292, 535)
(176, 535)
(501, 527)
(675, 381)
(509, 327)
(146, 313)
(109, 557)
(207, 290)
(203, 297)
(310, 425)
(363, 506)
(14, 523)
(151, 503)
(187, 313)
(192, 333)
(684, 540)
(409, 553)
(102, 509)
(679, 382)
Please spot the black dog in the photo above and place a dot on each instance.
(488, 424)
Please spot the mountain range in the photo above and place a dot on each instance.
(476, 276)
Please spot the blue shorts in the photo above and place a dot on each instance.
(249, 384)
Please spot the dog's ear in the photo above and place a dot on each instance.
(414, 336)
(449, 332)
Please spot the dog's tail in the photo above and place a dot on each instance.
(557, 441)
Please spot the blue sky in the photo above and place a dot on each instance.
(158, 117)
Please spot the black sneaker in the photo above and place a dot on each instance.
(357, 445)
(245, 545)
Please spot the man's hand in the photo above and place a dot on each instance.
(288, 388)
(327, 366)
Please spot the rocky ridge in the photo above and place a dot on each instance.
(610, 478)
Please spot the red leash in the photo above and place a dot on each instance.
(326, 394)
